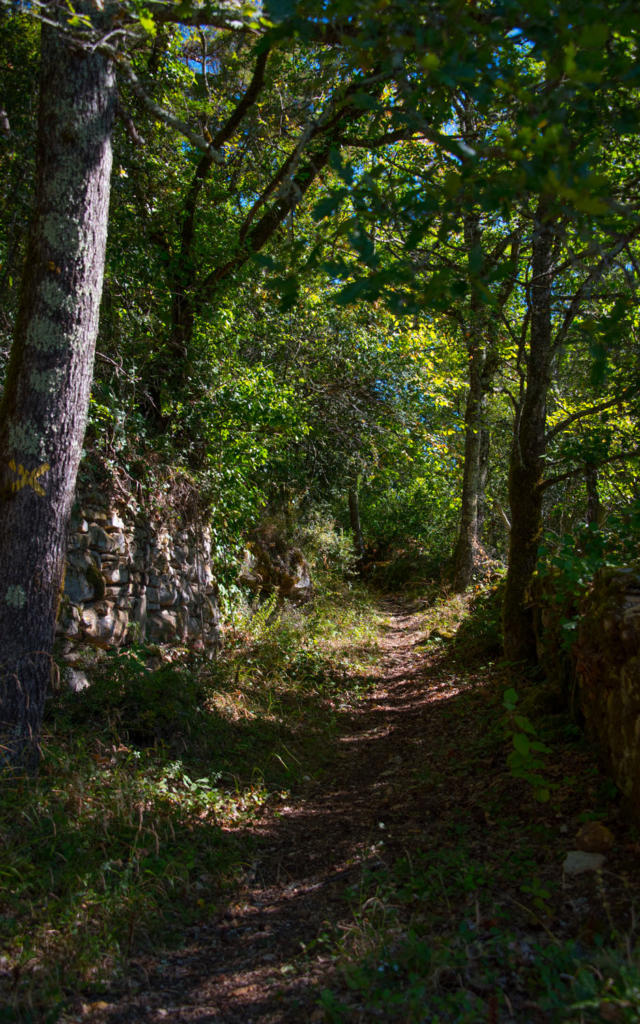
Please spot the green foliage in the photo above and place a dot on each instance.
(418, 510)
(133, 829)
(479, 636)
(456, 965)
(524, 760)
(568, 564)
(602, 986)
(571, 983)
(328, 548)
(104, 846)
(320, 650)
(460, 916)
(140, 705)
(336, 356)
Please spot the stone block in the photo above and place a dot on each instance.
(77, 587)
(99, 538)
(118, 542)
(114, 521)
(118, 596)
(80, 560)
(76, 680)
(125, 575)
(104, 628)
(116, 573)
(78, 542)
(69, 621)
(167, 595)
(194, 626)
(162, 626)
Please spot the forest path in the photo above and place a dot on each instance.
(414, 878)
(252, 964)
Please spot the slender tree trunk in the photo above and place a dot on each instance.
(356, 526)
(465, 551)
(464, 555)
(44, 406)
(485, 447)
(593, 497)
(526, 462)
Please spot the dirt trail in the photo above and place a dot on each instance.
(251, 966)
(419, 777)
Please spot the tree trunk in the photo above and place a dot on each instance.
(44, 405)
(464, 556)
(465, 551)
(593, 497)
(485, 447)
(526, 462)
(356, 526)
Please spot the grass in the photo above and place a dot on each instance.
(140, 825)
(139, 822)
(468, 917)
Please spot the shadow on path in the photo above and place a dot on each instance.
(263, 960)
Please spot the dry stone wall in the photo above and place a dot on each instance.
(599, 676)
(607, 655)
(130, 579)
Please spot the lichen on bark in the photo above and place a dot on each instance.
(46, 396)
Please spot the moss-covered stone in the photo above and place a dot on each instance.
(96, 580)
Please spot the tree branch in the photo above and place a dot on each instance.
(253, 91)
(587, 286)
(199, 141)
(618, 457)
(381, 140)
(582, 413)
(206, 161)
(269, 222)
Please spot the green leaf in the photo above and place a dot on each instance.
(522, 743)
(147, 23)
(510, 699)
(364, 101)
(328, 205)
(540, 748)
(360, 289)
(594, 36)
(279, 10)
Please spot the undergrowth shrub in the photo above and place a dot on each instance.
(135, 827)
(568, 564)
(140, 705)
(407, 570)
(329, 549)
(479, 635)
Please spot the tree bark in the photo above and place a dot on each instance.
(45, 401)
(594, 511)
(528, 449)
(485, 447)
(356, 526)
(465, 551)
(464, 556)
